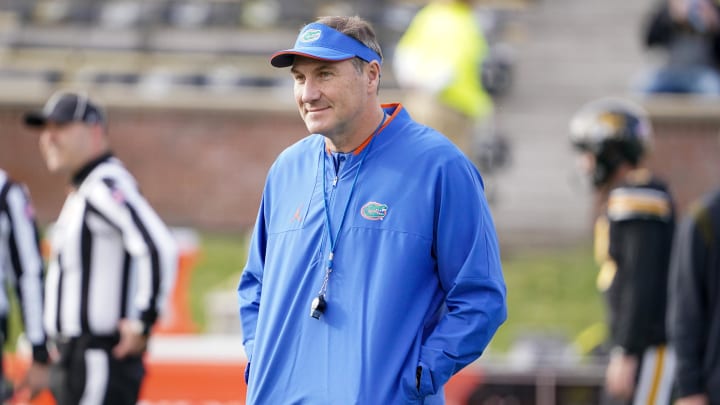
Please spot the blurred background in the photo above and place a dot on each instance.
(198, 115)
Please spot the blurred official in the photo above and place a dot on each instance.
(112, 259)
(21, 266)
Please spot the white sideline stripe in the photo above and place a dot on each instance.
(200, 348)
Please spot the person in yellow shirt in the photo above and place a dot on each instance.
(438, 61)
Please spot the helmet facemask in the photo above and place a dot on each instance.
(614, 132)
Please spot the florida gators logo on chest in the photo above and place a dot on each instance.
(374, 211)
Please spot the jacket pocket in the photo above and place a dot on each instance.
(417, 383)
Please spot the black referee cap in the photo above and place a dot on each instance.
(64, 107)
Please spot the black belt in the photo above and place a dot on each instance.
(87, 341)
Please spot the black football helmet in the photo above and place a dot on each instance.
(615, 131)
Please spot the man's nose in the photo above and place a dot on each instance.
(48, 135)
(310, 92)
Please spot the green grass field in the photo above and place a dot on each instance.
(220, 262)
(549, 291)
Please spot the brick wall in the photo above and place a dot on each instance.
(201, 168)
(203, 163)
(686, 150)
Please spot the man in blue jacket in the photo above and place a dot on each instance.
(374, 272)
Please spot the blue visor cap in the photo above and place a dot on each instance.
(318, 41)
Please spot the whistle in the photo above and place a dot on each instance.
(318, 306)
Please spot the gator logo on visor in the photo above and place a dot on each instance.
(374, 211)
(311, 35)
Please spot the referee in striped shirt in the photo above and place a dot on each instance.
(112, 259)
(21, 266)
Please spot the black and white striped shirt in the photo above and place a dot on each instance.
(21, 263)
(112, 256)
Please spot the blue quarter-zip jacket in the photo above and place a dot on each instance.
(416, 281)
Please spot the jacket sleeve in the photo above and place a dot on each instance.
(250, 285)
(27, 264)
(146, 239)
(688, 313)
(470, 273)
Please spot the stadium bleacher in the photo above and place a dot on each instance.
(212, 44)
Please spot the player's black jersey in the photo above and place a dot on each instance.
(694, 316)
(633, 243)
